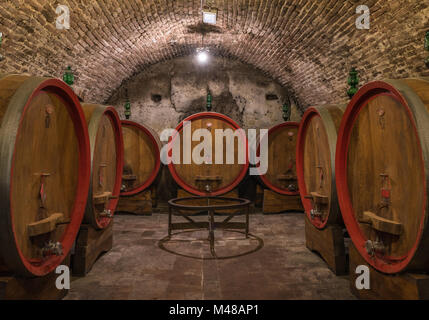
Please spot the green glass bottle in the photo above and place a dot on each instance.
(127, 109)
(353, 82)
(68, 76)
(286, 111)
(209, 101)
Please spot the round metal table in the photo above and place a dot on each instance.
(178, 208)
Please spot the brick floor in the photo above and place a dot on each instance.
(137, 268)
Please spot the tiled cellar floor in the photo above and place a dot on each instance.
(137, 268)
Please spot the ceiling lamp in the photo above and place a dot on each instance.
(209, 13)
(209, 17)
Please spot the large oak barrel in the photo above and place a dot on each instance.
(210, 177)
(142, 160)
(44, 170)
(281, 174)
(107, 158)
(382, 172)
(315, 164)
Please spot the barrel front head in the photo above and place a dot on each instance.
(45, 169)
(281, 174)
(315, 163)
(142, 160)
(212, 161)
(107, 156)
(382, 163)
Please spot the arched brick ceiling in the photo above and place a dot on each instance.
(309, 46)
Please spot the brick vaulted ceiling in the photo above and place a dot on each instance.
(308, 46)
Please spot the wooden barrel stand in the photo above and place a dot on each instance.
(38, 288)
(329, 243)
(91, 243)
(402, 286)
(274, 202)
(139, 204)
(259, 198)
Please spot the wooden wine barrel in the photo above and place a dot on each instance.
(382, 174)
(281, 174)
(45, 172)
(107, 160)
(315, 164)
(142, 160)
(210, 178)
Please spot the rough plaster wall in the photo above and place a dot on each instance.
(238, 90)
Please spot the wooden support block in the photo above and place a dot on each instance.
(208, 178)
(44, 226)
(286, 177)
(232, 194)
(129, 177)
(403, 286)
(140, 204)
(277, 203)
(329, 243)
(319, 198)
(102, 197)
(90, 244)
(381, 224)
(259, 199)
(154, 196)
(40, 288)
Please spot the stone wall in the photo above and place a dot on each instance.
(168, 92)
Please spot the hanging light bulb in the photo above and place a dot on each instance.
(202, 57)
